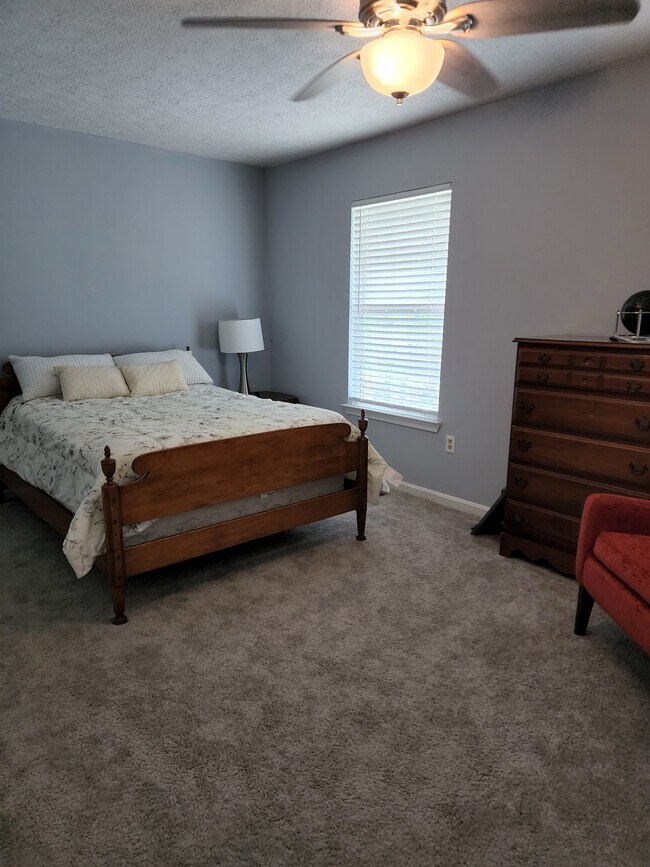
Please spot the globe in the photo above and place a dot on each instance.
(629, 318)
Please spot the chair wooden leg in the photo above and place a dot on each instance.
(583, 611)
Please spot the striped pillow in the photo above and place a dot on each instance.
(192, 370)
(36, 374)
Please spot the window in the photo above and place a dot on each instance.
(398, 278)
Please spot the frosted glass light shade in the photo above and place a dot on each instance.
(240, 335)
(401, 62)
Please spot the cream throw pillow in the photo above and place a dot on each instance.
(144, 379)
(86, 383)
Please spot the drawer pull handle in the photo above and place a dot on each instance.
(526, 406)
(521, 482)
(544, 358)
(587, 360)
(524, 445)
(633, 386)
(517, 520)
(542, 377)
(638, 468)
(642, 423)
(637, 364)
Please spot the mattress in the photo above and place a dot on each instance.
(57, 446)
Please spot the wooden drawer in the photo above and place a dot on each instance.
(546, 376)
(604, 416)
(586, 379)
(632, 385)
(542, 357)
(577, 359)
(627, 463)
(619, 383)
(637, 364)
(558, 492)
(543, 525)
(587, 360)
(545, 357)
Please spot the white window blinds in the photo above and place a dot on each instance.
(398, 278)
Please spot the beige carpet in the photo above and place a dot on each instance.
(411, 700)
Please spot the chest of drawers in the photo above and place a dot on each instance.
(580, 425)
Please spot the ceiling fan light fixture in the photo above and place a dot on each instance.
(402, 61)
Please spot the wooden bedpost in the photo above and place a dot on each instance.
(362, 478)
(114, 539)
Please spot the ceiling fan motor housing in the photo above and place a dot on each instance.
(374, 13)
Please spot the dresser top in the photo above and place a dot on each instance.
(601, 342)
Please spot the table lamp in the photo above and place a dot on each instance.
(241, 336)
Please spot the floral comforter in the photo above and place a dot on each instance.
(58, 446)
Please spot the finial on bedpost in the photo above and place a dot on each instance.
(108, 466)
(363, 423)
(187, 349)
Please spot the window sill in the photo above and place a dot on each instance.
(393, 418)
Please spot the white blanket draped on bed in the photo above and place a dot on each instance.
(58, 446)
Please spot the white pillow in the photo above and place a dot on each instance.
(85, 383)
(154, 378)
(192, 370)
(36, 374)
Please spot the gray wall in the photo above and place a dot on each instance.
(108, 246)
(550, 234)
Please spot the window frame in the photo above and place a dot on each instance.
(425, 420)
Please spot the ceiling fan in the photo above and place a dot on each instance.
(399, 61)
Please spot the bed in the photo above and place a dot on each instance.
(129, 501)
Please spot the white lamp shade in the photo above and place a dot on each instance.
(401, 61)
(240, 335)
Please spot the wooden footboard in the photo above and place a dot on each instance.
(206, 474)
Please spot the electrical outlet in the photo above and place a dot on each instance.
(450, 445)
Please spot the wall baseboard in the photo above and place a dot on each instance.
(444, 499)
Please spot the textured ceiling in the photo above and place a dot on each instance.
(126, 69)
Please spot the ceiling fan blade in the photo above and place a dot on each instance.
(462, 71)
(444, 28)
(267, 23)
(511, 17)
(360, 31)
(328, 77)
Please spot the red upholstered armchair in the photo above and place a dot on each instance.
(613, 564)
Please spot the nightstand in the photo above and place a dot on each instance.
(276, 395)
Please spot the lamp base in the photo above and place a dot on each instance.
(244, 387)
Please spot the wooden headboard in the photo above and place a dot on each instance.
(9, 386)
